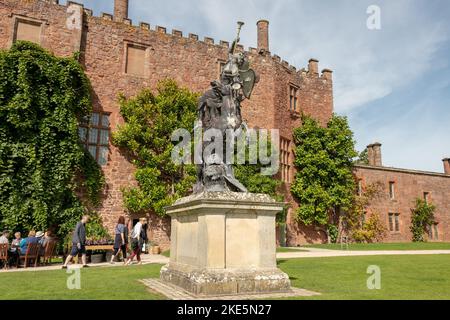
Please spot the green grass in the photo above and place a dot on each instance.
(402, 277)
(386, 246)
(100, 283)
(166, 253)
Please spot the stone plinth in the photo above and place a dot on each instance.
(224, 243)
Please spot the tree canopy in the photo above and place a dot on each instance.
(324, 184)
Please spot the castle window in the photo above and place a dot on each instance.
(222, 64)
(95, 136)
(394, 222)
(433, 233)
(293, 98)
(392, 190)
(285, 164)
(360, 189)
(426, 197)
(135, 60)
(27, 30)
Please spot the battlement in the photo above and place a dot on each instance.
(120, 16)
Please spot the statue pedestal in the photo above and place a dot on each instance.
(224, 243)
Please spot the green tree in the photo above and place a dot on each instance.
(42, 163)
(324, 184)
(150, 120)
(363, 157)
(422, 216)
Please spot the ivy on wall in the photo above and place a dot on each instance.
(42, 163)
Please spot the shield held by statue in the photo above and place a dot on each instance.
(249, 79)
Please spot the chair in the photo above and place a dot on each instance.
(4, 254)
(49, 252)
(31, 254)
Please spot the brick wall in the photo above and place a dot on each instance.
(409, 185)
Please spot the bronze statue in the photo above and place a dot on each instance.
(219, 110)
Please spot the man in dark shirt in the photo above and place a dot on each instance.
(78, 242)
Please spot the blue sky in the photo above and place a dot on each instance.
(392, 83)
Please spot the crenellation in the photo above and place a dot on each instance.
(128, 21)
(277, 58)
(253, 50)
(193, 36)
(161, 29)
(144, 26)
(225, 44)
(88, 12)
(177, 33)
(208, 40)
(107, 16)
(240, 48)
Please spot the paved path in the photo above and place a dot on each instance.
(319, 253)
(145, 258)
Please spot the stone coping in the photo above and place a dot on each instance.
(226, 200)
(408, 171)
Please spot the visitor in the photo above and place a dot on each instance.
(45, 240)
(137, 241)
(78, 242)
(4, 239)
(15, 248)
(120, 242)
(15, 244)
(23, 246)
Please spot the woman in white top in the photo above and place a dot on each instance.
(136, 241)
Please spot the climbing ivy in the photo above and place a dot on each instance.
(43, 166)
(422, 216)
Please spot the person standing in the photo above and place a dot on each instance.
(137, 241)
(78, 242)
(120, 242)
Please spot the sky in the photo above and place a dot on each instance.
(393, 83)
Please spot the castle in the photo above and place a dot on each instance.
(119, 56)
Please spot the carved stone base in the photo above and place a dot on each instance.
(223, 243)
(225, 282)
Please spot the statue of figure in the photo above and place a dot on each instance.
(220, 109)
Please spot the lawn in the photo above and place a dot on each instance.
(402, 277)
(96, 284)
(385, 246)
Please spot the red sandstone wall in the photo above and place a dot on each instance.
(192, 63)
(408, 186)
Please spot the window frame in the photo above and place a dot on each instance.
(99, 127)
(146, 48)
(394, 222)
(25, 19)
(294, 98)
(392, 190)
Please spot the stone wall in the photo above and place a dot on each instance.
(408, 186)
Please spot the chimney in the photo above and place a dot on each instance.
(313, 66)
(374, 154)
(120, 10)
(263, 36)
(446, 165)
